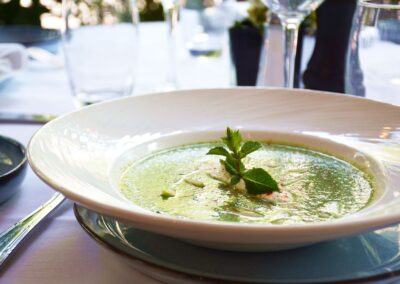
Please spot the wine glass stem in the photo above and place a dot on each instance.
(290, 34)
(172, 14)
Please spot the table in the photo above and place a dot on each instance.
(59, 251)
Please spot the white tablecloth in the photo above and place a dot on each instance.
(59, 251)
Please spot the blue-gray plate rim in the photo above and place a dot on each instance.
(366, 258)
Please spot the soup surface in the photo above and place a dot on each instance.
(314, 187)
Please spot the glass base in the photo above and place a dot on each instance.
(84, 99)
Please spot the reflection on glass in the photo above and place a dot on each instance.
(374, 51)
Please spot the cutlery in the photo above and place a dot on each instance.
(25, 118)
(11, 238)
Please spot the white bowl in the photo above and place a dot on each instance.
(81, 154)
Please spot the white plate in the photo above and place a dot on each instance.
(367, 258)
(81, 154)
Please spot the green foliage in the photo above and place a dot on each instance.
(256, 16)
(310, 23)
(151, 11)
(12, 13)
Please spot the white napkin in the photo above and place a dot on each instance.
(13, 58)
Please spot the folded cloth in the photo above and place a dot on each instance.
(13, 58)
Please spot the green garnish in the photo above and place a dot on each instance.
(195, 183)
(257, 180)
(165, 194)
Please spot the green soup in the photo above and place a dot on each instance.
(315, 187)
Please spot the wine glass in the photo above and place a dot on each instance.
(291, 13)
(171, 12)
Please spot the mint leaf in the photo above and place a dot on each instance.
(219, 151)
(229, 166)
(236, 163)
(235, 179)
(233, 140)
(242, 168)
(258, 181)
(249, 147)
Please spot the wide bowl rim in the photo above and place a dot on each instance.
(140, 218)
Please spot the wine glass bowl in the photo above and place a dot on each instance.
(290, 9)
(291, 13)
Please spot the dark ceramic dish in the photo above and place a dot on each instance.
(13, 166)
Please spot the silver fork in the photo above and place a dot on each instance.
(11, 238)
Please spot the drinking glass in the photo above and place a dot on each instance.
(373, 59)
(100, 42)
(171, 12)
(291, 13)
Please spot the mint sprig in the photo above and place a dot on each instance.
(257, 180)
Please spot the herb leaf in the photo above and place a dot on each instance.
(229, 166)
(221, 151)
(258, 181)
(235, 179)
(249, 147)
(233, 140)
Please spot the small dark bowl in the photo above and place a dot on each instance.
(13, 167)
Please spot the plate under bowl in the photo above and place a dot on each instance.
(76, 154)
(365, 258)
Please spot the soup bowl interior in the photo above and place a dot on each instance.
(83, 154)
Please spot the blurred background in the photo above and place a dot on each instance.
(47, 13)
(233, 46)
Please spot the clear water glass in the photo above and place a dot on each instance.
(373, 61)
(291, 13)
(100, 42)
